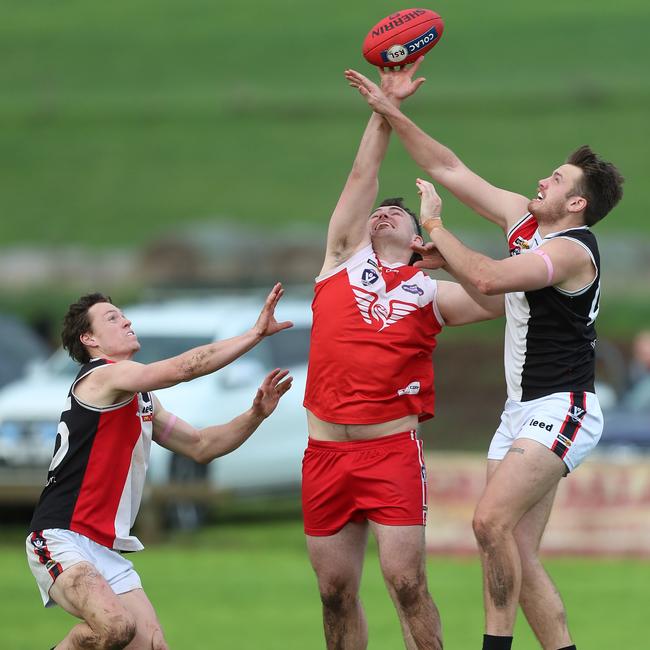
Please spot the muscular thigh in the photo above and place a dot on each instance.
(83, 592)
(338, 559)
(521, 480)
(401, 549)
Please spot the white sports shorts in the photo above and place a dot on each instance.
(569, 424)
(51, 551)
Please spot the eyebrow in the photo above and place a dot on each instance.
(557, 173)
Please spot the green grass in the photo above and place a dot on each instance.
(121, 120)
(250, 586)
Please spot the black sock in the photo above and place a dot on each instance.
(569, 647)
(496, 642)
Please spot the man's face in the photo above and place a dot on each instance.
(556, 195)
(392, 222)
(110, 333)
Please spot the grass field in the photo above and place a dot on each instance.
(121, 120)
(249, 586)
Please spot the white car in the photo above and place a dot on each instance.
(269, 460)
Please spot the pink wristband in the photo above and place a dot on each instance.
(167, 430)
(549, 264)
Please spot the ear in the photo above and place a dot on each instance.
(417, 240)
(88, 340)
(577, 204)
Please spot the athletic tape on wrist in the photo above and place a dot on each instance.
(549, 265)
(168, 429)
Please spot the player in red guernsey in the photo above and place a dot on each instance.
(95, 481)
(370, 382)
(552, 419)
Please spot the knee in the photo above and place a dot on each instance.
(489, 532)
(119, 633)
(409, 592)
(158, 640)
(337, 598)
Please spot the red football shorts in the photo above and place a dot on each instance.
(382, 479)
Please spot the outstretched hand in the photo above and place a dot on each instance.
(274, 386)
(266, 324)
(396, 85)
(430, 202)
(431, 257)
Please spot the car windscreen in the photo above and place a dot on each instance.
(286, 349)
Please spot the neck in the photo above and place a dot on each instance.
(113, 357)
(556, 225)
(392, 254)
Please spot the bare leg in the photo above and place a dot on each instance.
(539, 598)
(149, 634)
(521, 480)
(402, 557)
(84, 593)
(338, 563)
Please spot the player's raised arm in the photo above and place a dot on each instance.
(208, 443)
(348, 227)
(561, 263)
(500, 206)
(115, 381)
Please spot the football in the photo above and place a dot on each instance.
(402, 37)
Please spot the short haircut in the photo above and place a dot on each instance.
(601, 183)
(399, 203)
(76, 322)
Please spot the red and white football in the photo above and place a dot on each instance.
(402, 37)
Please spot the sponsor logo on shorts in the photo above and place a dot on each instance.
(413, 288)
(412, 389)
(50, 564)
(369, 276)
(540, 424)
(423, 469)
(564, 440)
(576, 413)
(37, 542)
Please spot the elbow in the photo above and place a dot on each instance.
(489, 287)
(487, 279)
(364, 173)
(200, 453)
(485, 286)
(201, 456)
(201, 459)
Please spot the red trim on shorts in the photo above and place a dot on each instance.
(571, 425)
(43, 553)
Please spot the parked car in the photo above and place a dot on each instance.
(269, 460)
(19, 346)
(627, 423)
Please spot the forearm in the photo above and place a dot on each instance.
(429, 154)
(206, 359)
(473, 270)
(372, 148)
(221, 439)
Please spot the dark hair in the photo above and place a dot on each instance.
(601, 183)
(399, 203)
(76, 323)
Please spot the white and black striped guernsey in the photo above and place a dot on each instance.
(550, 335)
(96, 477)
